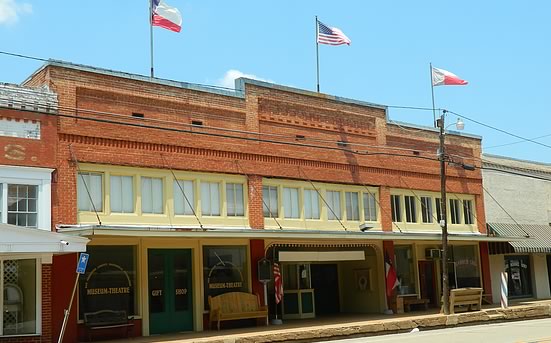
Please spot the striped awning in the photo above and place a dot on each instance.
(538, 236)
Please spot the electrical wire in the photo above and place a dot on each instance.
(517, 142)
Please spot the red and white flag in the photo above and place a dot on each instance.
(165, 16)
(441, 77)
(390, 276)
(278, 284)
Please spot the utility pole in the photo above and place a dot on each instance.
(444, 219)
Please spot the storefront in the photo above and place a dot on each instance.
(25, 270)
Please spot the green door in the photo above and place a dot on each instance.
(170, 298)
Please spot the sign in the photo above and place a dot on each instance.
(264, 270)
(82, 262)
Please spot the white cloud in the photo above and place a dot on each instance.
(228, 80)
(10, 11)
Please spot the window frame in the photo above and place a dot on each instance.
(396, 208)
(455, 211)
(163, 195)
(220, 198)
(427, 212)
(243, 187)
(318, 202)
(411, 209)
(338, 215)
(87, 196)
(350, 205)
(134, 195)
(267, 206)
(297, 208)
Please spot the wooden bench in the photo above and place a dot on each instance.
(107, 319)
(235, 305)
(408, 301)
(468, 299)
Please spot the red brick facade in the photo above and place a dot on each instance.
(265, 131)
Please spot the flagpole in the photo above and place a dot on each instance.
(432, 90)
(151, 35)
(317, 56)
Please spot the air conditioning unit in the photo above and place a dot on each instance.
(433, 253)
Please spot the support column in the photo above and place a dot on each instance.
(485, 269)
(257, 253)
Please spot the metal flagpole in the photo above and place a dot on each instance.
(151, 34)
(317, 56)
(432, 90)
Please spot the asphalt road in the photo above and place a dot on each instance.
(528, 331)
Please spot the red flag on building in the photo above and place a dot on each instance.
(441, 77)
(391, 278)
(278, 284)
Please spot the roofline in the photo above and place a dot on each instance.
(507, 158)
(433, 129)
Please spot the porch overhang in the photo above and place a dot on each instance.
(247, 232)
(21, 240)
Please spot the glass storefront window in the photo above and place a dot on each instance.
(19, 297)
(224, 270)
(404, 269)
(466, 266)
(518, 275)
(110, 280)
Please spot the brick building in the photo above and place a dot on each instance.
(183, 188)
(28, 137)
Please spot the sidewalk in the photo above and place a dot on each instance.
(348, 326)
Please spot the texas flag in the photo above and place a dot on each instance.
(390, 276)
(165, 16)
(441, 77)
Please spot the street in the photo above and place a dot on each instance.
(529, 331)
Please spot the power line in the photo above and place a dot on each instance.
(517, 142)
(23, 56)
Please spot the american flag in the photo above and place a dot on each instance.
(278, 284)
(331, 35)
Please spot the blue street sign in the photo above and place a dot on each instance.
(82, 262)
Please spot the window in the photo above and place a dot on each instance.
(234, 200)
(122, 194)
(290, 203)
(22, 205)
(110, 280)
(411, 209)
(518, 276)
(311, 204)
(438, 203)
(370, 207)
(466, 265)
(184, 197)
(404, 269)
(334, 204)
(269, 196)
(90, 185)
(352, 206)
(426, 209)
(152, 195)
(468, 212)
(224, 270)
(455, 211)
(396, 208)
(19, 296)
(210, 198)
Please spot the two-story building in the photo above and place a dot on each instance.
(28, 136)
(183, 188)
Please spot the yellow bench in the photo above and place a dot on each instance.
(466, 298)
(234, 306)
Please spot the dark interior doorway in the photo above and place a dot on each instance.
(427, 281)
(325, 282)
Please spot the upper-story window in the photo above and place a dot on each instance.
(22, 205)
(269, 199)
(352, 206)
(90, 192)
(122, 194)
(468, 211)
(438, 203)
(370, 207)
(234, 200)
(184, 197)
(152, 195)
(396, 207)
(455, 211)
(411, 209)
(311, 204)
(290, 203)
(210, 198)
(334, 204)
(426, 210)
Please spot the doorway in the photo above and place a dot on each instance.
(427, 281)
(518, 275)
(169, 289)
(325, 282)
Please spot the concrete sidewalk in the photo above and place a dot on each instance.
(347, 326)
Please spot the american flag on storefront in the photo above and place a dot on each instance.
(278, 284)
(331, 35)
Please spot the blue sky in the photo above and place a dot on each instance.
(501, 47)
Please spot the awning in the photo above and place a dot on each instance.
(539, 236)
(17, 239)
(299, 234)
(321, 256)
